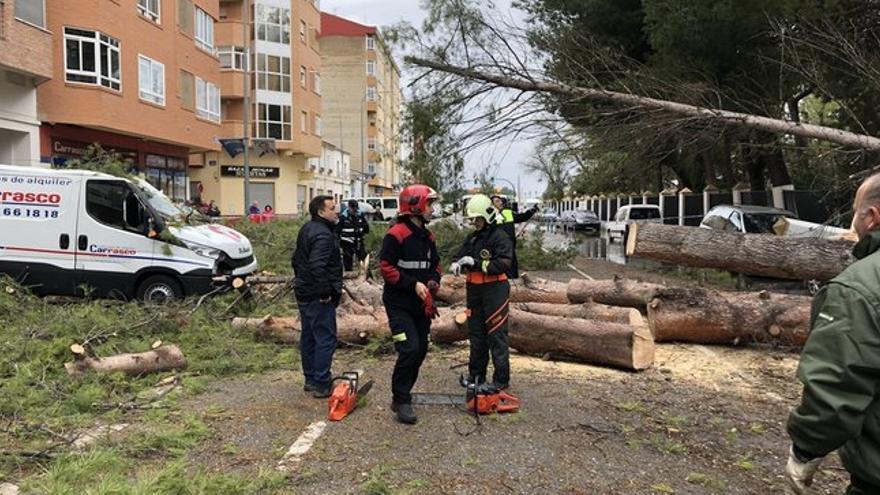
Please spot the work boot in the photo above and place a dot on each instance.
(405, 413)
(321, 392)
(501, 386)
(308, 387)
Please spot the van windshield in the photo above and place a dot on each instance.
(158, 201)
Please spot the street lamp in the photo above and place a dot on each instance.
(512, 186)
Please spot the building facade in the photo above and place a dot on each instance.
(333, 176)
(25, 63)
(140, 77)
(284, 90)
(362, 102)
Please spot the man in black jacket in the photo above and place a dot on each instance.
(353, 226)
(486, 255)
(317, 264)
(410, 266)
(507, 219)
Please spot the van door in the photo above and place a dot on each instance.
(389, 207)
(37, 230)
(111, 238)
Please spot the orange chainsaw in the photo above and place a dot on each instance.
(345, 394)
(479, 398)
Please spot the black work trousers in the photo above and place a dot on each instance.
(488, 312)
(410, 329)
(350, 250)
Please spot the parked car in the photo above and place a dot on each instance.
(749, 219)
(382, 208)
(626, 215)
(581, 220)
(66, 229)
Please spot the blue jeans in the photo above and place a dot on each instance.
(318, 341)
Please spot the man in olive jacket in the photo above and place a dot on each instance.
(840, 366)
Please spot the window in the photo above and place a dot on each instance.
(151, 80)
(371, 144)
(273, 121)
(273, 24)
(371, 93)
(371, 67)
(187, 90)
(91, 57)
(318, 126)
(304, 122)
(231, 57)
(149, 9)
(316, 82)
(185, 16)
(273, 73)
(371, 43)
(204, 30)
(207, 100)
(104, 200)
(31, 11)
(302, 76)
(303, 29)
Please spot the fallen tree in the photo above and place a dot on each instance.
(586, 311)
(525, 289)
(616, 292)
(161, 358)
(714, 317)
(796, 258)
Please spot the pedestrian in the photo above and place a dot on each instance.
(353, 227)
(487, 255)
(213, 209)
(254, 209)
(410, 266)
(317, 265)
(840, 366)
(508, 220)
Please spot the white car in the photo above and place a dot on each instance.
(749, 219)
(626, 215)
(64, 230)
(382, 208)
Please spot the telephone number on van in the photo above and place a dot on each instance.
(29, 213)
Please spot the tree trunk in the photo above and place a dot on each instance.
(525, 289)
(617, 292)
(753, 254)
(712, 317)
(163, 358)
(627, 100)
(625, 345)
(586, 311)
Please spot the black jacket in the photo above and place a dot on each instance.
(507, 220)
(409, 255)
(353, 226)
(490, 244)
(317, 262)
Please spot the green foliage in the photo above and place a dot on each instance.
(705, 480)
(376, 484)
(273, 242)
(429, 119)
(97, 159)
(532, 254)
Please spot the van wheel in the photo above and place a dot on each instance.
(159, 289)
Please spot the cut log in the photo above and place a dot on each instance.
(625, 345)
(714, 317)
(586, 311)
(617, 292)
(630, 347)
(166, 357)
(795, 258)
(450, 327)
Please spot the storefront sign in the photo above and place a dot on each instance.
(256, 172)
(75, 149)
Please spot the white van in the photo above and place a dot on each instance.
(628, 214)
(384, 208)
(71, 232)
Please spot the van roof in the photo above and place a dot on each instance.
(50, 172)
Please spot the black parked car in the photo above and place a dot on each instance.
(581, 220)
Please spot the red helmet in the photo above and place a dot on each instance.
(416, 199)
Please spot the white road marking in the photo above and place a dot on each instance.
(302, 445)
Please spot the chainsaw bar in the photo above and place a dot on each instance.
(438, 399)
(366, 388)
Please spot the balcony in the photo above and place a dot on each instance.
(229, 33)
(231, 84)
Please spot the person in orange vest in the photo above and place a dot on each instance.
(486, 256)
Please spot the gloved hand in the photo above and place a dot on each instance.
(799, 475)
(433, 287)
(431, 308)
(456, 267)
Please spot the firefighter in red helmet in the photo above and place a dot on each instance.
(410, 266)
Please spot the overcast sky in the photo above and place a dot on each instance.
(509, 154)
